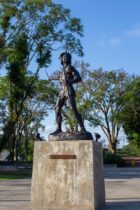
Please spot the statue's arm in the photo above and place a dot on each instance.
(55, 76)
(77, 78)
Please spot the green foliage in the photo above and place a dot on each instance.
(34, 28)
(26, 156)
(3, 88)
(20, 174)
(14, 176)
(131, 150)
(130, 114)
(110, 158)
(98, 98)
(30, 30)
(104, 89)
(42, 97)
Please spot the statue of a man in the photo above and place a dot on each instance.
(67, 78)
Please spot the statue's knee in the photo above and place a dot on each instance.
(57, 109)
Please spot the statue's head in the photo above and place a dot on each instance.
(65, 58)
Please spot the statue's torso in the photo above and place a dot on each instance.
(68, 75)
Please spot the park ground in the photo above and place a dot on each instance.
(122, 190)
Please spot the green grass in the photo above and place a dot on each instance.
(21, 174)
(14, 176)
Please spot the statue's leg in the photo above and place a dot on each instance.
(60, 103)
(77, 114)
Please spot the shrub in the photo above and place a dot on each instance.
(131, 150)
(110, 158)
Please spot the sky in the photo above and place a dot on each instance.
(111, 37)
(111, 33)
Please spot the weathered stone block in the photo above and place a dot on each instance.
(67, 175)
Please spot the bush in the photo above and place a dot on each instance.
(131, 150)
(110, 158)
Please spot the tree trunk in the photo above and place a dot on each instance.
(17, 152)
(26, 150)
(113, 146)
(112, 149)
(12, 149)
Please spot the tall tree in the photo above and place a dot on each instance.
(104, 89)
(98, 101)
(29, 32)
(130, 113)
(35, 109)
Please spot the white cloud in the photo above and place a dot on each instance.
(109, 42)
(133, 33)
(102, 43)
(114, 41)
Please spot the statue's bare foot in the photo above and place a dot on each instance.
(56, 132)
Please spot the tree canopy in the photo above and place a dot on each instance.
(130, 114)
(98, 98)
(30, 30)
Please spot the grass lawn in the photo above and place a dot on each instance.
(22, 174)
(14, 176)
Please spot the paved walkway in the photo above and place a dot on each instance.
(15, 194)
(122, 188)
(122, 191)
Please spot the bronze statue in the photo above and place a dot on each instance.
(67, 78)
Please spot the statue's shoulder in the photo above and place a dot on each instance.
(70, 68)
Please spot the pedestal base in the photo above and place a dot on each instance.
(64, 136)
(67, 175)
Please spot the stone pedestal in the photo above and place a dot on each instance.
(67, 175)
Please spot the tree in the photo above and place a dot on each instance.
(3, 101)
(130, 113)
(97, 100)
(104, 89)
(30, 120)
(29, 32)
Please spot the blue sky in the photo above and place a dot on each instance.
(111, 37)
(111, 32)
